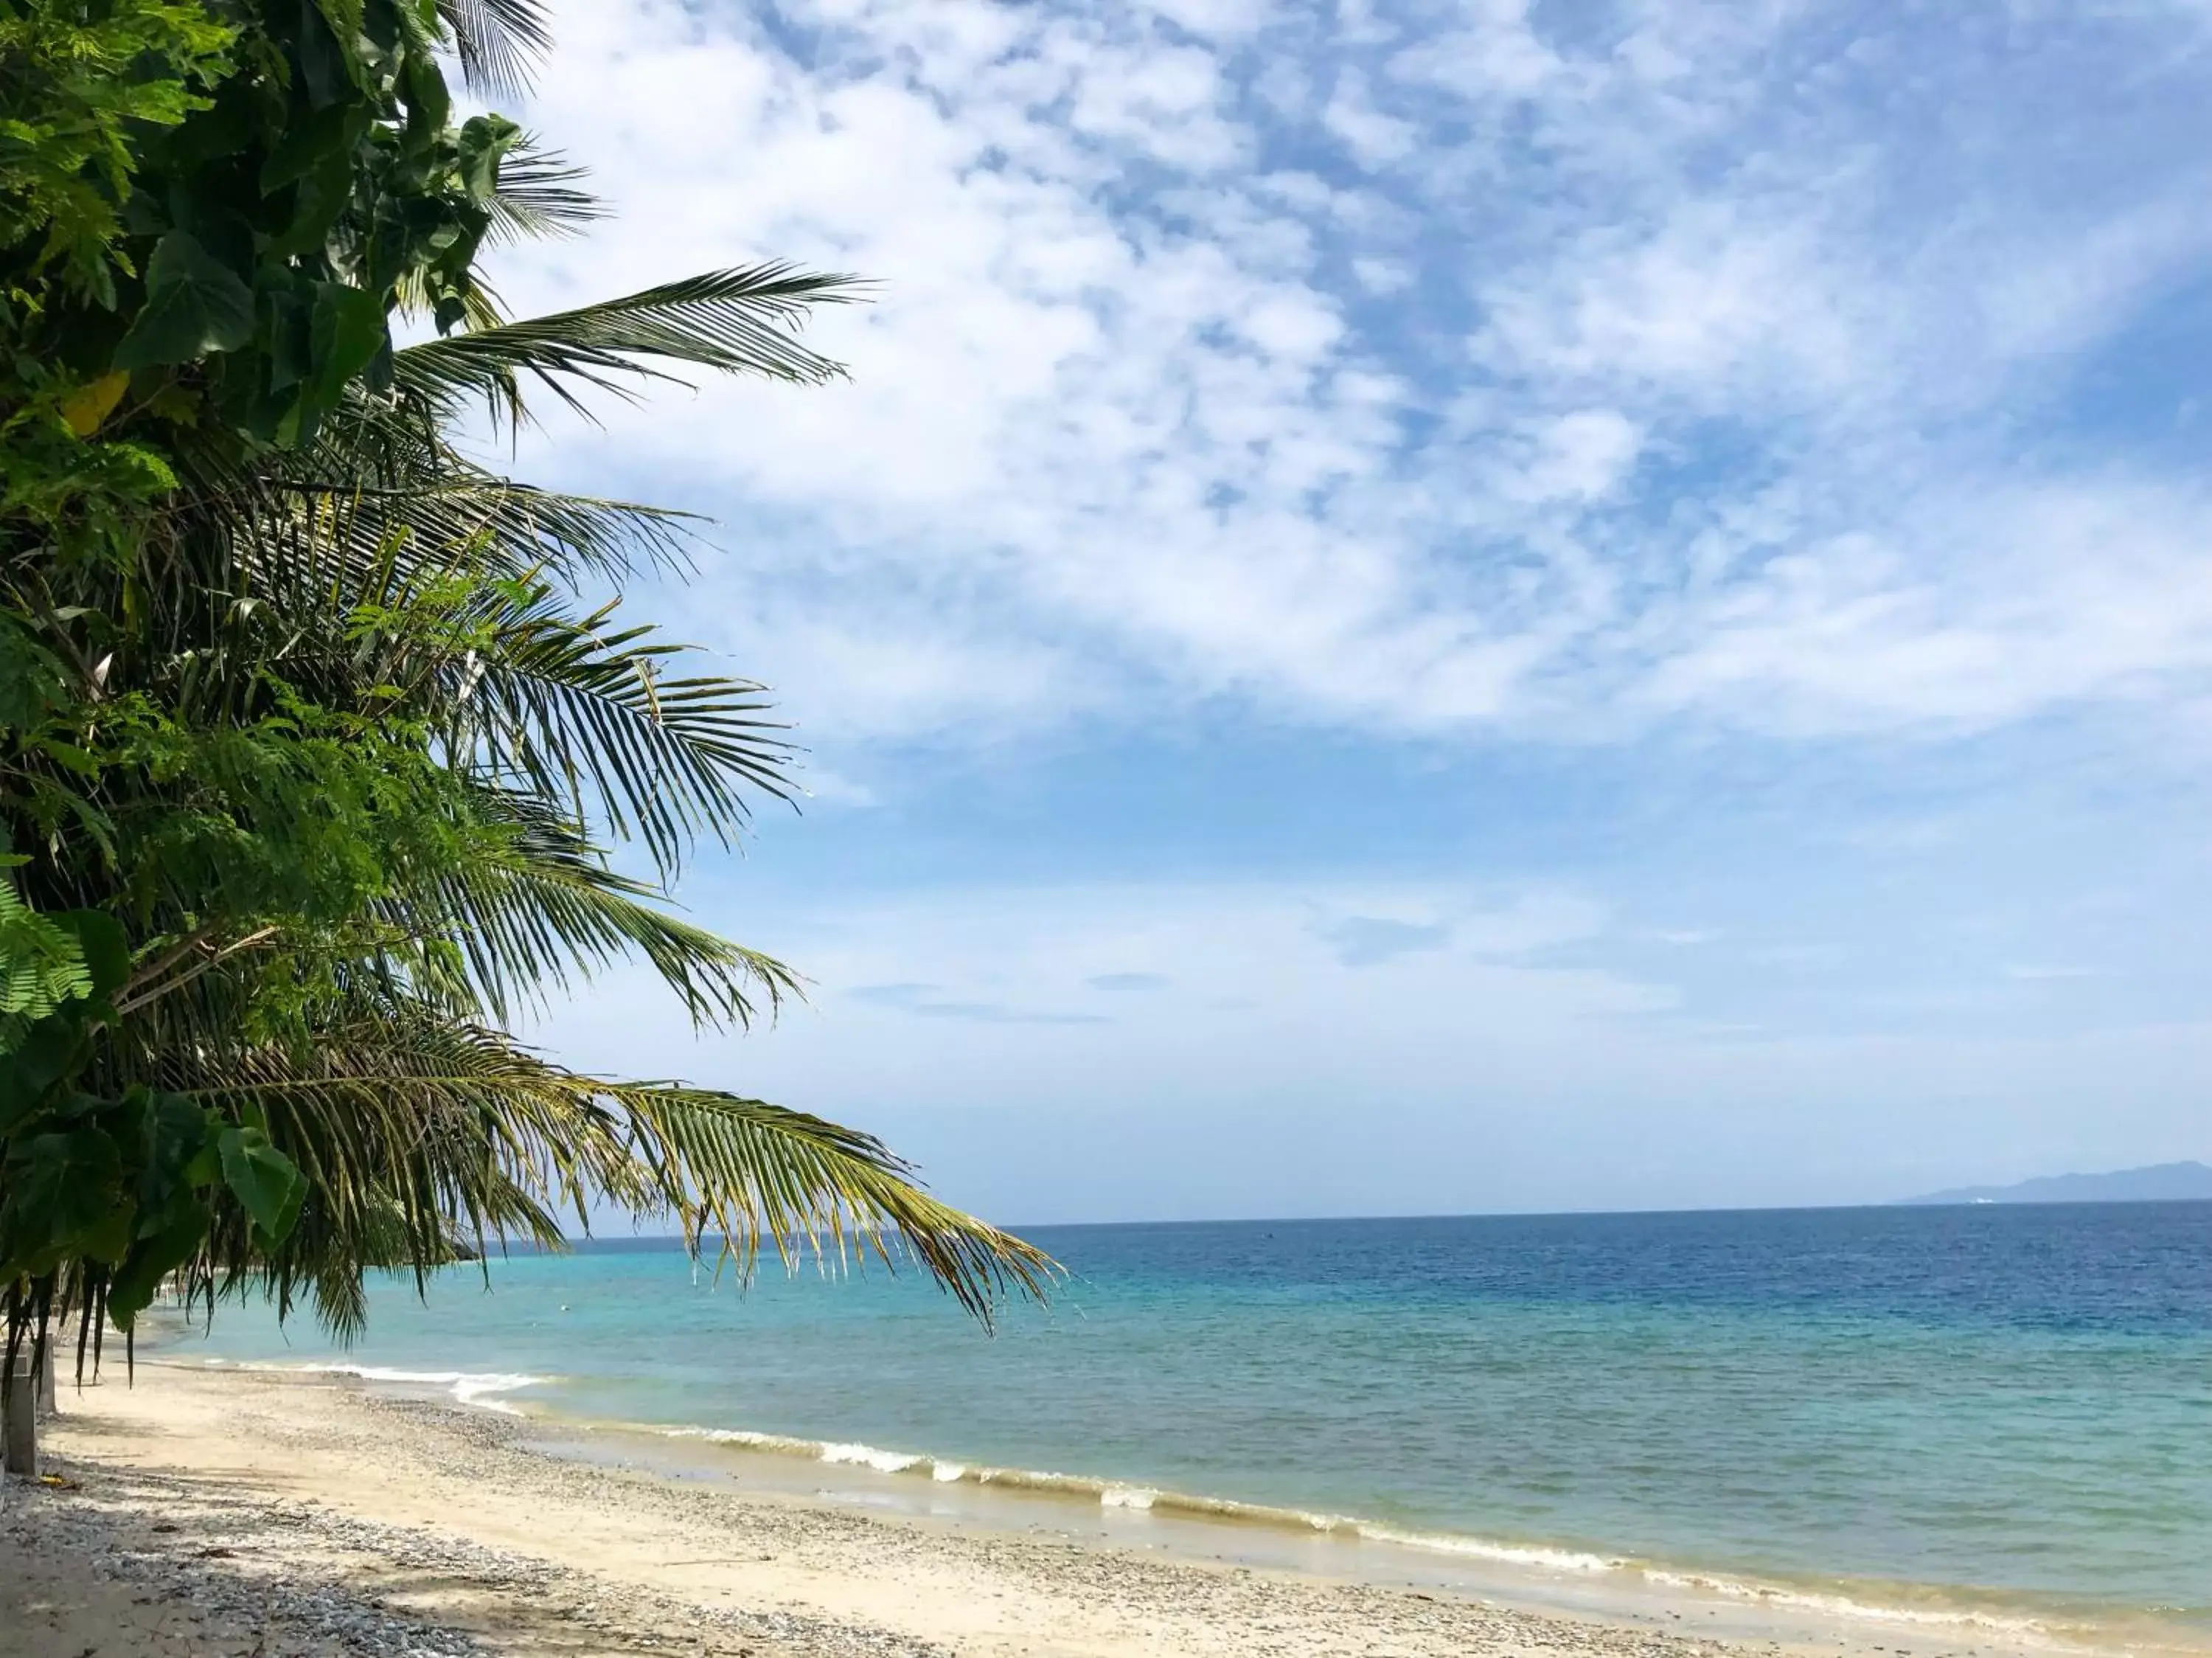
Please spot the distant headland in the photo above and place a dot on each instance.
(2160, 1183)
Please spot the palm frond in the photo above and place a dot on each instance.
(757, 1175)
(498, 42)
(539, 911)
(740, 321)
(537, 199)
(572, 707)
(492, 1133)
(313, 525)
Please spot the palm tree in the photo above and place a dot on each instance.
(377, 654)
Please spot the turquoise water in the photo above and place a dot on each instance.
(2009, 1405)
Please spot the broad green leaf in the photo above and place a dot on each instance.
(484, 143)
(328, 43)
(194, 306)
(321, 196)
(52, 1051)
(177, 1131)
(107, 1238)
(204, 1167)
(348, 331)
(428, 103)
(61, 1186)
(291, 341)
(175, 1240)
(264, 1180)
(19, 1095)
(308, 144)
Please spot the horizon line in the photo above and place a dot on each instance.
(1518, 1214)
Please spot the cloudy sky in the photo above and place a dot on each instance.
(1413, 608)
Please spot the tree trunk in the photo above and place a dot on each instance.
(19, 1422)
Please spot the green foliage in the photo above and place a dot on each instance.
(117, 1188)
(194, 308)
(312, 764)
(76, 82)
(42, 966)
(732, 321)
(267, 1184)
(224, 208)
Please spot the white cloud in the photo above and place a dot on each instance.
(1473, 1051)
(1995, 607)
(1685, 367)
(1705, 309)
(1382, 276)
(1375, 140)
(975, 995)
(1494, 52)
(1577, 456)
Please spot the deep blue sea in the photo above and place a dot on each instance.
(2005, 1406)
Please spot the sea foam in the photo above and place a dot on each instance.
(481, 1389)
(867, 1456)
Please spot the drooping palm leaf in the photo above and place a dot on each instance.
(314, 535)
(766, 1177)
(738, 321)
(535, 913)
(503, 1138)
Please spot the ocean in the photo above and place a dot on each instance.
(1983, 1416)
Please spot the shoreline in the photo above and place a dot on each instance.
(1542, 1578)
(667, 1549)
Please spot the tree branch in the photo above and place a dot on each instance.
(131, 1003)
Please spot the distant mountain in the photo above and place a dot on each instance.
(2161, 1183)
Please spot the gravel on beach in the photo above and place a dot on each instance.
(212, 1573)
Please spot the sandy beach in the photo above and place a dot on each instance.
(220, 1512)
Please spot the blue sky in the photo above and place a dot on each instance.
(1485, 607)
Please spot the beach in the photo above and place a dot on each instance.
(1963, 1424)
(1571, 1435)
(218, 1511)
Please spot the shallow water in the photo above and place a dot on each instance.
(1993, 1411)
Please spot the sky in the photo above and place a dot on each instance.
(1408, 608)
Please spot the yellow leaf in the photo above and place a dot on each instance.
(86, 406)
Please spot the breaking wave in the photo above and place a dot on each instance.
(1122, 1496)
(482, 1389)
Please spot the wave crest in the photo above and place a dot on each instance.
(481, 1389)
